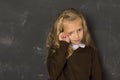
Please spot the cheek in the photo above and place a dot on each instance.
(81, 34)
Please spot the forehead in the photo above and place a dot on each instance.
(72, 25)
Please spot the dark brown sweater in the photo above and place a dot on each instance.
(83, 64)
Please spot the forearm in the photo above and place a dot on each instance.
(57, 61)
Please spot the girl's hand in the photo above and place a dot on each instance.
(64, 37)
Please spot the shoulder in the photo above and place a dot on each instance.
(91, 49)
(63, 46)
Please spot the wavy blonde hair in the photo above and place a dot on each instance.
(69, 14)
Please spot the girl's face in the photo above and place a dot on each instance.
(74, 29)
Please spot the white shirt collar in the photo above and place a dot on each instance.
(75, 46)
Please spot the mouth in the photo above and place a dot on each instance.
(76, 40)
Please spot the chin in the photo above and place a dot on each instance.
(75, 42)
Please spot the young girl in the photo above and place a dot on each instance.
(71, 53)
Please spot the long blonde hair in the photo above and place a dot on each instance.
(69, 14)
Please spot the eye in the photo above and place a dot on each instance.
(79, 29)
(70, 33)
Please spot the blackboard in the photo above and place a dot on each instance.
(24, 25)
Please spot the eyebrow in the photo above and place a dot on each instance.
(80, 28)
(76, 30)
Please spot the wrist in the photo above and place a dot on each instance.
(64, 44)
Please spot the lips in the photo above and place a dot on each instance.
(76, 40)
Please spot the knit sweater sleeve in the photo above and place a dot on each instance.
(96, 67)
(56, 61)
